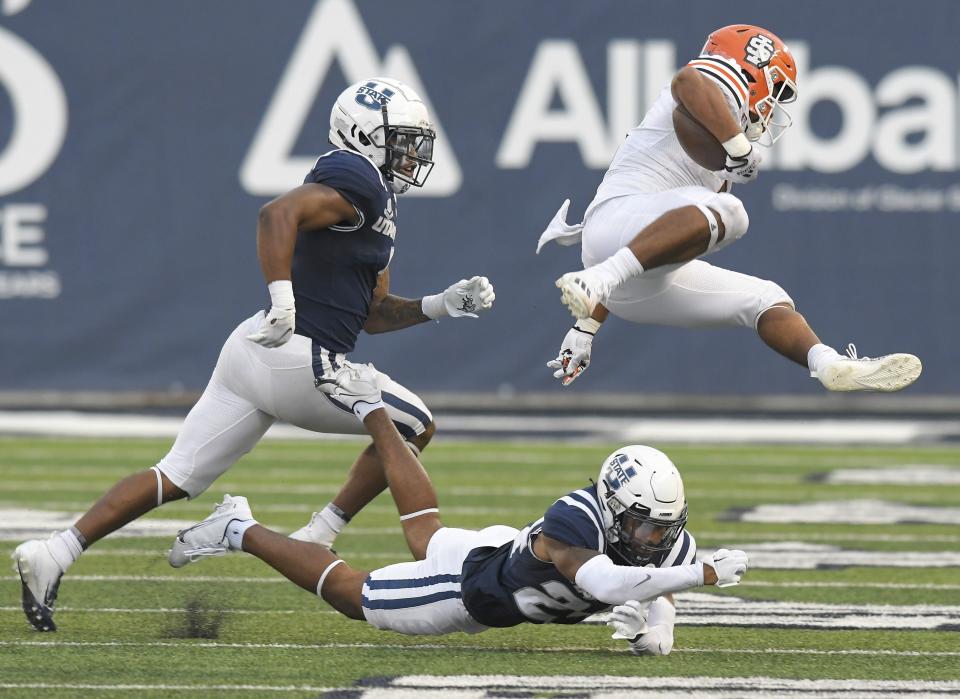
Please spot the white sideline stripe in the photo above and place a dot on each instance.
(699, 430)
(171, 687)
(698, 686)
(901, 474)
(461, 647)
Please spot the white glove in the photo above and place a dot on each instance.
(728, 565)
(658, 640)
(743, 160)
(277, 328)
(354, 385)
(629, 620)
(460, 299)
(574, 357)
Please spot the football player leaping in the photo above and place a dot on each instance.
(620, 543)
(657, 211)
(324, 248)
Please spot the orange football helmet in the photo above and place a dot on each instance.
(769, 67)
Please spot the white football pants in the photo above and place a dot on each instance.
(692, 294)
(251, 388)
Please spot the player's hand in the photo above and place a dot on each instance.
(728, 565)
(743, 161)
(276, 328)
(629, 620)
(658, 640)
(464, 298)
(354, 385)
(574, 356)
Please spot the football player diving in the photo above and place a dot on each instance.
(620, 543)
(657, 212)
(324, 248)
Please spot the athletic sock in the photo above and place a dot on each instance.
(65, 548)
(820, 356)
(619, 267)
(235, 531)
(334, 519)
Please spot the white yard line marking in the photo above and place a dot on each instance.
(459, 646)
(170, 687)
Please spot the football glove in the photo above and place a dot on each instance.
(574, 356)
(277, 327)
(629, 620)
(743, 161)
(728, 565)
(658, 640)
(461, 299)
(354, 385)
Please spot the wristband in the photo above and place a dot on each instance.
(433, 306)
(587, 325)
(738, 146)
(281, 293)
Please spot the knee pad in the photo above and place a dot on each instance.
(733, 215)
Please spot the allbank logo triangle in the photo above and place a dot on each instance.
(334, 31)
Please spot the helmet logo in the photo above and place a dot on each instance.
(372, 96)
(618, 474)
(759, 50)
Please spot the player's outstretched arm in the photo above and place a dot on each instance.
(466, 297)
(596, 574)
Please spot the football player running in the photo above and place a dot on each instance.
(657, 212)
(621, 543)
(324, 248)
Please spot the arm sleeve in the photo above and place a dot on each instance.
(613, 584)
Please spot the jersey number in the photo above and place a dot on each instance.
(550, 601)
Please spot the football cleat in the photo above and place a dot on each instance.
(209, 537)
(891, 372)
(39, 582)
(317, 531)
(581, 292)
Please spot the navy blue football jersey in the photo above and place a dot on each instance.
(509, 585)
(335, 269)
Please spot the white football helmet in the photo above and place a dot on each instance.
(385, 120)
(642, 503)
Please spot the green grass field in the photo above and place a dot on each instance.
(132, 626)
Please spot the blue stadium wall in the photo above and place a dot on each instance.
(139, 140)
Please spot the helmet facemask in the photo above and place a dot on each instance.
(408, 152)
(768, 118)
(642, 539)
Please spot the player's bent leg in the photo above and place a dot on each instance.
(786, 332)
(366, 478)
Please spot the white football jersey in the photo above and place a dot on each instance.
(651, 159)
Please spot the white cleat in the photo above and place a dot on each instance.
(39, 580)
(317, 531)
(581, 292)
(891, 372)
(209, 537)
